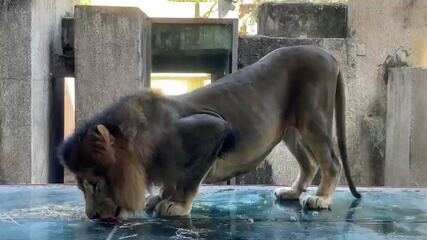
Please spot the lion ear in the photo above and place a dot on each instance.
(105, 134)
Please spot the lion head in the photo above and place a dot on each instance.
(107, 170)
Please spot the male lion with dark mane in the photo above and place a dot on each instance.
(213, 134)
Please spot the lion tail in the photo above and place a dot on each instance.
(341, 133)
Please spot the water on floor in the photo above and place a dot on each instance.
(57, 212)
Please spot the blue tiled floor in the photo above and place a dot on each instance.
(57, 212)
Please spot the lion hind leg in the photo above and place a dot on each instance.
(320, 142)
(307, 166)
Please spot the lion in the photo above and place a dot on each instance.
(213, 134)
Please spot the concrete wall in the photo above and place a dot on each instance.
(108, 56)
(405, 163)
(15, 92)
(29, 34)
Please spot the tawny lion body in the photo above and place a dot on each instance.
(214, 133)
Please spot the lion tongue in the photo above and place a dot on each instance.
(110, 220)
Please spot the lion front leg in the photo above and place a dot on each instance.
(200, 140)
(180, 202)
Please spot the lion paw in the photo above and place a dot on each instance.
(151, 202)
(315, 202)
(287, 194)
(167, 208)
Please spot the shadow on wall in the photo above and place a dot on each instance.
(373, 129)
(262, 175)
(2, 180)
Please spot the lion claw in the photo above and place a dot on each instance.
(167, 208)
(314, 202)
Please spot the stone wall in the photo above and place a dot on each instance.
(15, 92)
(29, 35)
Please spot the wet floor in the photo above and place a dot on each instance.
(57, 212)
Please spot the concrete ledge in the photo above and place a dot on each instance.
(302, 20)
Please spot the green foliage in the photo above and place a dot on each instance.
(328, 1)
(293, 1)
(85, 2)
